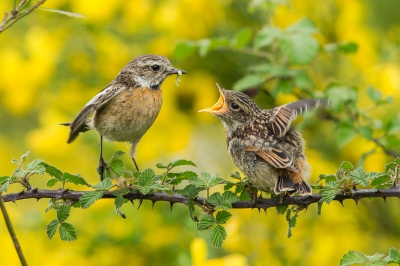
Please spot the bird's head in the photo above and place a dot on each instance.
(234, 108)
(150, 70)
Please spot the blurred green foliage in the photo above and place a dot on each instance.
(52, 65)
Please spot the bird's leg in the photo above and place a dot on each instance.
(137, 168)
(133, 153)
(102, 163)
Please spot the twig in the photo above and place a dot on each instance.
(14, 16)
(12, 232)
(260, 204)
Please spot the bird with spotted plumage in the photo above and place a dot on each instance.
(262, 143)
(127, 107)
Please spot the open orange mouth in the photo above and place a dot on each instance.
(218, 105)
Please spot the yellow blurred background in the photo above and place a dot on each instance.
(51, 65)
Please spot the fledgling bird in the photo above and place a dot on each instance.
(126, 108)
(262, 144)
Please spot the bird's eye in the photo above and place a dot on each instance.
(234, 106)
(155, 67)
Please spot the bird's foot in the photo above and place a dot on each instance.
(102, 167)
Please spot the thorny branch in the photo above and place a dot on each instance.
(355, 195)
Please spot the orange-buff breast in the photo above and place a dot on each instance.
(128, 115)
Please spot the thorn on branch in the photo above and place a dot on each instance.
(140, 201)
(171, 204)
(356, 201)
(341, 202)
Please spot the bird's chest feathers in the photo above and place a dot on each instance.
(129, 114)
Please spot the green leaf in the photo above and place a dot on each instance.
(282, 86)
(190, 191)
(381, 182)
(348, 47)
(198, 182)
(145, 180)
(186, 175)
(62, 12)
(248, 81)
(327, 178)
(235, 175)
(346, 166)
(281, 209)
(216, 180)
(117, 167)
(222, 217)
(90, 197)
(119, 200)
(36, 167)
(390, 166)
(341, 96)
(359, 176)
(218, 236)
(51, 228)
(392, 125)
(116, 155)
(161, 166)
(329, 192)
(67, 232)
(75, 179)
(352, 257)
(53, 171)
(14, 161)
(244, 196)
(374, 94)
(394, 256)
(205, 222)
(266, 36)
(184, 49)
(304, 25)
(106, 184)
(191, 209)
(302, 80)
(3, 179)
(63, 213)
(223, 201)
(24, 157)
(229, 196)
(375, 259)
(345, 132)
(300, 49)
(4, 185)
(242, 38)
(180, 162)
(207, 45)
(366, 132)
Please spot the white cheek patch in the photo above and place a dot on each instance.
(142, 82)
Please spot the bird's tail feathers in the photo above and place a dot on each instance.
(285, 184)
(80, 123)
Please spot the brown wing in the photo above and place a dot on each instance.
(79, 124)
(282, 116)
(277, 158)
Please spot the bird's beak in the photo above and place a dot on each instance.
(218, 105)
(177, 71)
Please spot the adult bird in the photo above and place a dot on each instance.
(127, 107)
